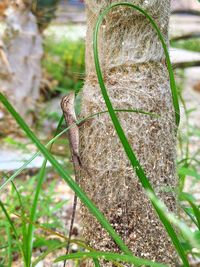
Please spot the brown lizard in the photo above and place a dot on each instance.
(67, 105)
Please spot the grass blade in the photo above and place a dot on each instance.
(96, 263)
(131, 155)
(11, 178)
(15, 174)
(13, 228)
(183, 228)
(110, 257)
(30, 236)
(196, 211)
(24, 229)
(8, 232)
(40, 179)
(56, 247)
(190, 216)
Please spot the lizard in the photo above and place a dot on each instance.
(67, 105)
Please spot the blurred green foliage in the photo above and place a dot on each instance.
(190, 44)
(44, 10)
(64, 60)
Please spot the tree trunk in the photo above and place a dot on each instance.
(23, 51)
(136, 76)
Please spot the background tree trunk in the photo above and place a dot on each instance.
(23, 50)
(136, 76)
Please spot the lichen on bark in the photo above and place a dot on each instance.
(136, 76)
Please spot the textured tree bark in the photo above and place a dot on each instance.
(23, 50)
(136, 76)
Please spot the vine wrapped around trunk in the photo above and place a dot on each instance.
(136, 76)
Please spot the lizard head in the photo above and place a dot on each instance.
(68, 101)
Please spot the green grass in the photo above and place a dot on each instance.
(18, 201)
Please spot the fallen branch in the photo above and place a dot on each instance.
(185, 12)
(186, 36)
(186, 64)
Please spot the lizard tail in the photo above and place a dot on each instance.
(71, 227)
